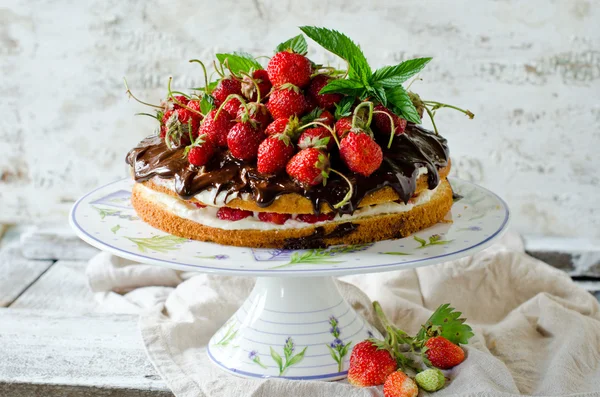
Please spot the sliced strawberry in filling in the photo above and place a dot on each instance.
(311, 218)
(232, 214)
(272, 217)
(197, 204)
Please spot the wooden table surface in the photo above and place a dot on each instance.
(55, 342)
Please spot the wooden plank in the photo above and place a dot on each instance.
(17, 272)
(79, 355)
(62, 288)
(54, 242)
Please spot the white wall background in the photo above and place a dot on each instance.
(529, 70)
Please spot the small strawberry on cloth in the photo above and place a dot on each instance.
(536, 332)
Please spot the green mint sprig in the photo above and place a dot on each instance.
(342, 46)
(296, 44)
(385, 84)
(238, 62)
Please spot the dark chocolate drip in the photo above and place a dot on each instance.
(416, 148)
(317, 238)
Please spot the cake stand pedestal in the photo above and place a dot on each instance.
(295, 324)
(299, 325)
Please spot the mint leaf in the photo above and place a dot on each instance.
(401, 104)
(342, 46)
(448, 324)
(296, 44)
(392, 76)
(207, 103)
(347, 87)
(379, 93)
(239, 62)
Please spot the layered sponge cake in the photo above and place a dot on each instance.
(290, 157)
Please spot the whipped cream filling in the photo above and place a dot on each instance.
(207, 216)
(219, 199)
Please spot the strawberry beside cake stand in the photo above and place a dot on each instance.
(295, 324)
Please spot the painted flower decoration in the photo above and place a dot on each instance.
(337, 348)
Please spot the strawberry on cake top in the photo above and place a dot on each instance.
(296, 155)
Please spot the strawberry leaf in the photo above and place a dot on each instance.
(297, 44)
(448, 324)
(239, 62)
(346, 87)
(342, 46)
(392, 76)
(344, 107)
(207, 103)
(402, 104)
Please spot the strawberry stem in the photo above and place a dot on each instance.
(258, 98)
(128, 92)
(219, 71)
(205, 74)
(438, 105)
(431, 116)
(230, 97)
(360, 106)
(331, 131)
(149, 115)
(170, 93)
(393, 131)
(348, 195)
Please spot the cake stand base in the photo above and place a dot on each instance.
(293, 328)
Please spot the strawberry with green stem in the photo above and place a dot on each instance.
(200, 151)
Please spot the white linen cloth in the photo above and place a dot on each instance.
(536, 332)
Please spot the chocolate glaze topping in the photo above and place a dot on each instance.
(416, 148)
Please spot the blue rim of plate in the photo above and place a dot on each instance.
(407, 264)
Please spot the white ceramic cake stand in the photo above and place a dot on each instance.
(295, 324)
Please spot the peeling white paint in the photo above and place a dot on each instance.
(530, 71)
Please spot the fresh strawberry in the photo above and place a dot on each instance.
(382, 122)
(178, 99)
(442, 353)
(226, 87)
(261, 78)
(361, 153)
(311, 104)
(178, 125)
(286, 126)
(326, 118)
(232, 214)
(431, 379)
(200, 151)
(218, 128)
(274, 154)
(325, 101)
(318, 137)
(398, 384)
(186, 117)
(286, 101)
(343, 125)
(309, 167)
(272, 217)
(257, 113)
(289, 67)
(243, 141)
(312, 218)
(194, 104)
(369, 365)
